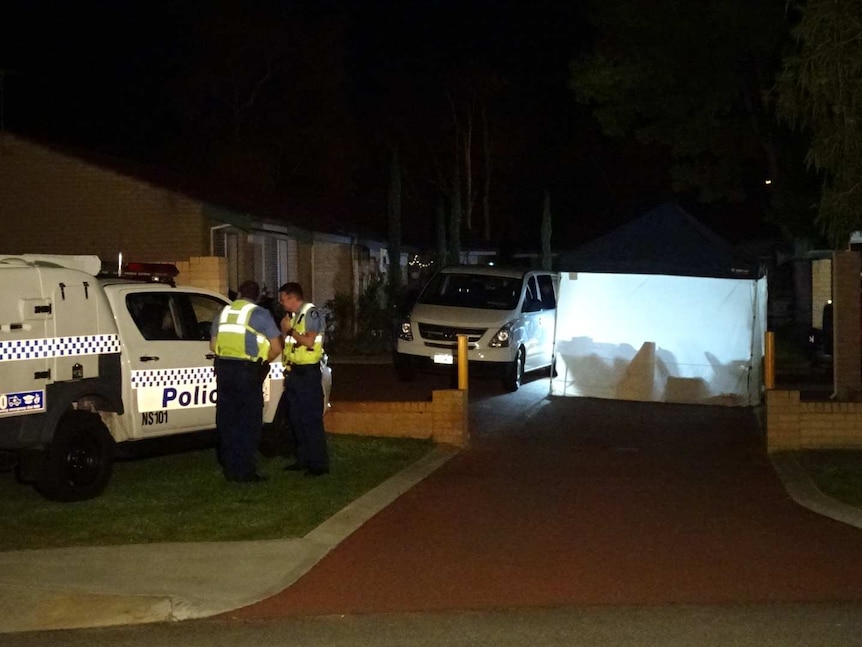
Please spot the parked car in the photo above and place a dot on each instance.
(508, 316)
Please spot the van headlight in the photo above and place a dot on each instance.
(405, 330)
(501, 339)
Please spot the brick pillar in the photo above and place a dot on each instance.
(209, 272)
(846, 355)
(449, 417)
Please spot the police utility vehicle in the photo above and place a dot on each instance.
(87, 363)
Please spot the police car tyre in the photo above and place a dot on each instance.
(515, 372)
(80, 459)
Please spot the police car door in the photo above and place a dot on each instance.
(166, 334)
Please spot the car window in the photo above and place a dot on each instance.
(153, 315)
(173, 316)
(546, 292)
(204, 310)
(532, 302)
(472, 291)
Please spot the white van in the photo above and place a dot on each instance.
(508, 316)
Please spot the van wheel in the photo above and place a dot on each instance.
(80, 459)
(404, 367)
(514, 373)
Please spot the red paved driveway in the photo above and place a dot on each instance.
(568, 501)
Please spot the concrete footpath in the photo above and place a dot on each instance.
(70, 588)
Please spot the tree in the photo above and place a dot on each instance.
(820, 91)
(688, 76)
(261, 100)
(441, 255)
(394, 218)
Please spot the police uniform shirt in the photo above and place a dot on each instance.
(261, 321)
(313, 321)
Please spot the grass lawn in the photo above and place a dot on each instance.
(836, 473)
(183, 497)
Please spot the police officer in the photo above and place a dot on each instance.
(245, 339)
(303, 390)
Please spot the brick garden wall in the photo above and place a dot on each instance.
(795, 425)
(443, 420)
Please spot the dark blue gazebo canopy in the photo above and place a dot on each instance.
(666, 240)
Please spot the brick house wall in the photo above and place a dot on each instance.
(60, 204)
(57, 203)
(333, 271)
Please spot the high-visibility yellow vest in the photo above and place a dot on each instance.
(297, 353)
(232, 330)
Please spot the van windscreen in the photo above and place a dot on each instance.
(472, 291)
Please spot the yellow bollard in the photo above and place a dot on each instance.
(769, 361)
(462, 362)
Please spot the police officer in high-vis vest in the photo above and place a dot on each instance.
(303, 349)
(245, 339)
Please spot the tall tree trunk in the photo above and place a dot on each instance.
(486, 193)
(394, 215)
(546, 232)
(455, 213)
(440, 231)
(468, 174)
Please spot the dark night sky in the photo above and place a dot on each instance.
(103, 75)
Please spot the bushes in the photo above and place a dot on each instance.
(363, 327)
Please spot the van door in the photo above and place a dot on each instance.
(538, 322)
(548, 322)
(166, 336)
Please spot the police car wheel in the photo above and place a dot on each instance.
(514, 373)
(80, 459)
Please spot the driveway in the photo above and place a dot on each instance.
(569, 502)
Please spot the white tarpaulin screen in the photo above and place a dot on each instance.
(660, 338)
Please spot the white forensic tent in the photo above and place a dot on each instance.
(663, 310)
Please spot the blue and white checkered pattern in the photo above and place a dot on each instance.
(187, 376)
(23, 349)
(172, 377)
(276, 371)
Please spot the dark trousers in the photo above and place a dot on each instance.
(304, 393)
(239, 416)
